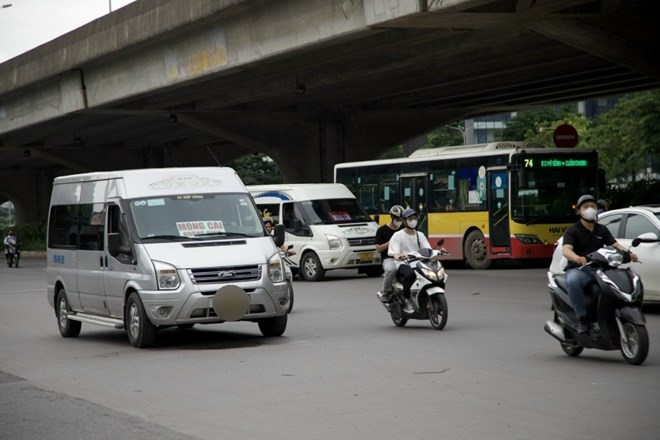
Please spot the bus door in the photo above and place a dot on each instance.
(498, 211)
(414, 194)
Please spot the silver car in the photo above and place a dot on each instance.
(625, 224)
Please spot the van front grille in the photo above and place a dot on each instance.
(366, 241)
(231, 274)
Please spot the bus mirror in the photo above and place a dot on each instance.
(113, 244)
(278, 235)
(522, 179)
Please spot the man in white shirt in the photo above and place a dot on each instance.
(403, 242)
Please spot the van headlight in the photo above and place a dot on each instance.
(167, 276)
(276, 269)
(334, 242)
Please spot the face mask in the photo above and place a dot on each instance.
(412, 224)
(589, 214)
(397, 223)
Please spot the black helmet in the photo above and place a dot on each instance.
(396, 211)
(585, 198)
(408, 212)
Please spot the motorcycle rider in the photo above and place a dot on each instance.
(580, 239)
(10, 239)
(383, 236)
(401, 244)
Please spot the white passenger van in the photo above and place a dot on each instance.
(147, 249)
(326, 226)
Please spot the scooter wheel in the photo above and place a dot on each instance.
(571, 350)
(634, 343)
(396, 313)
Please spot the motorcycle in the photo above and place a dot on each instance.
(427, 293)
(13, 255)
(614, 309)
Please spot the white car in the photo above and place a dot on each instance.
(625, 225)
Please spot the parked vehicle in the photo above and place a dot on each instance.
(13, 255)
(625, 225)
(614, 309)
(326, 225)
(427, 293)
(143, 250)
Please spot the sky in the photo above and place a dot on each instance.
(27, 24)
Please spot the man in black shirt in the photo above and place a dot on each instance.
(580, 239)
(383, 236)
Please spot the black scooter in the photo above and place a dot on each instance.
(614, 309)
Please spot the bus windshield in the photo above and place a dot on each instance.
(195, 216)
(334, 211)
(548, 195)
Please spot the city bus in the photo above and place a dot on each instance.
(500, 200)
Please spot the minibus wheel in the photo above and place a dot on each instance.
(273, 326)
(68, 327)
(141, 332)
(311, 268)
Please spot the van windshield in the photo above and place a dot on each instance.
(196, 216)
(334, 211)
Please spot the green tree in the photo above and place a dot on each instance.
(526, 124)
(257, 169)
(628, 136)
(542, 131)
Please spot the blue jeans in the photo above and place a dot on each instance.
(576, 281)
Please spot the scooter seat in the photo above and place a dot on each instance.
(590, 292)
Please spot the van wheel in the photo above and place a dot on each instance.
(141, 332)
(273, 326)
(475, 252)
(68, 327)
(310, 267)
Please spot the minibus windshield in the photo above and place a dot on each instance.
(195, 216)
(335, 211)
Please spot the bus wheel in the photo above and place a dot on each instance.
(475, 251)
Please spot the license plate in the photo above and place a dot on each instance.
(366, 257)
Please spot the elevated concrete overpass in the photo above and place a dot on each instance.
(309, 82)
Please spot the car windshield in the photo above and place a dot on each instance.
(195, 216)
(334, 211)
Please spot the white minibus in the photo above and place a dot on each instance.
(147, 249)
(326, 226)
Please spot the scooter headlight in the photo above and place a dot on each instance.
(614, 259)
(433, 275)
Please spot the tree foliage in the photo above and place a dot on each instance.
(257, 169)
(628, 136)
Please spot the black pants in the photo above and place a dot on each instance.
(407, 277)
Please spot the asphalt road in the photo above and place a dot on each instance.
(342, 370)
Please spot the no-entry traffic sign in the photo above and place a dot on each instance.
(565, 136)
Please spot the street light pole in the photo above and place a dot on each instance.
(459, 129)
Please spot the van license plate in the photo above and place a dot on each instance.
(366, 257)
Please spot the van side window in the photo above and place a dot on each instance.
(76, 227)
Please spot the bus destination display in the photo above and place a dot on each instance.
(555, 162)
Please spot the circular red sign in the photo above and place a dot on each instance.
(565, 136)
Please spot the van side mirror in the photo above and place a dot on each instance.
(278, 235)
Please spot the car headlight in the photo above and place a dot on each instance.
(334, 242)
(167, 276)
(528, 239)
(276, 269)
